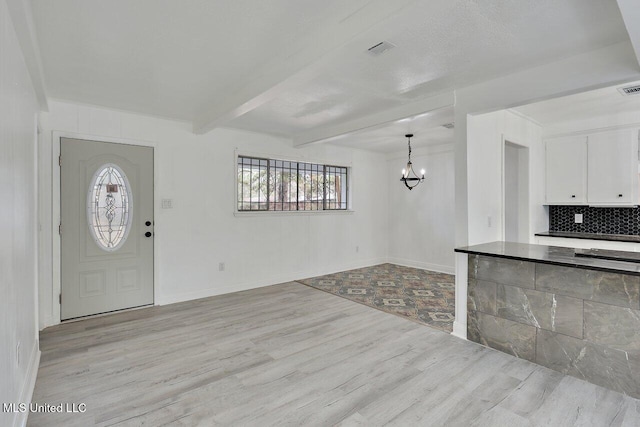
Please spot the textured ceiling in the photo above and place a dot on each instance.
(170, 57)
(185, 58)
(439, 45)
(582, 106)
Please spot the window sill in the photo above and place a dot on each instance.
(294, 213)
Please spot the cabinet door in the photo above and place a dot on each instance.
(613, 168)
(566, 171)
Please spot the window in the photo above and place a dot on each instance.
(109, 207)
(282, 185)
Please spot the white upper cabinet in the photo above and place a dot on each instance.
(599, 169)
(612, 177)
(566, 171)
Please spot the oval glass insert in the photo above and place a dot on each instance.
(109, 207)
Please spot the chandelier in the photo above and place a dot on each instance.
(409, 177)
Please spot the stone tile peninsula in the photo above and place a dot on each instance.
(577, 315)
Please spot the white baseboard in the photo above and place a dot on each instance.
(48, 321)
(297, 275)
(273, 280)
(448, 269)
(205, 293)
(164, 299)
(26, 394)
(346, 266)
(459, 330)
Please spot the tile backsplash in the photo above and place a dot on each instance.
(595, 220)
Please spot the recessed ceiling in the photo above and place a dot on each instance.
(583, 106)
(299, 65)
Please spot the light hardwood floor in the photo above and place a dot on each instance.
(293, 355)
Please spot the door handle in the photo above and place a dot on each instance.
(147, 234)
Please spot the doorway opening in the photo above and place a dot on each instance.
(516, 193)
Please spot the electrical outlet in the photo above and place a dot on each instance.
(167, 204)
(577, 219)
(489, 220)
(357, 249)
(221, 266)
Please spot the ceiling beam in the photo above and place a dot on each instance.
(425, 105)
(631, 16)
(603, 67)
(308, 61)
(22, 19)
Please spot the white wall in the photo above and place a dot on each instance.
(18, 241)
(486, 134)
(483, 152)
(198, 173)
(421, 221)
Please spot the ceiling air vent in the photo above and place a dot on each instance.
(448, 125)
(380, 48)
(629, 90)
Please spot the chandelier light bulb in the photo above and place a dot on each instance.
(422, 172)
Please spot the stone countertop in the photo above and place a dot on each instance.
(549, 255)
(592, 236)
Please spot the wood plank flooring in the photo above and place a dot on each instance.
(290, 355)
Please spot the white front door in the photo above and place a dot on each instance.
(106, 227)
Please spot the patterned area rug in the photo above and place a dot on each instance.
(423, 296)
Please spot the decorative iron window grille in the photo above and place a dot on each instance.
(283, 185)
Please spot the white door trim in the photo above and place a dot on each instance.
(514, 141)
(55, 208)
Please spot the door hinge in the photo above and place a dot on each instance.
(60, 298)
(60, 228)
(60, 160)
